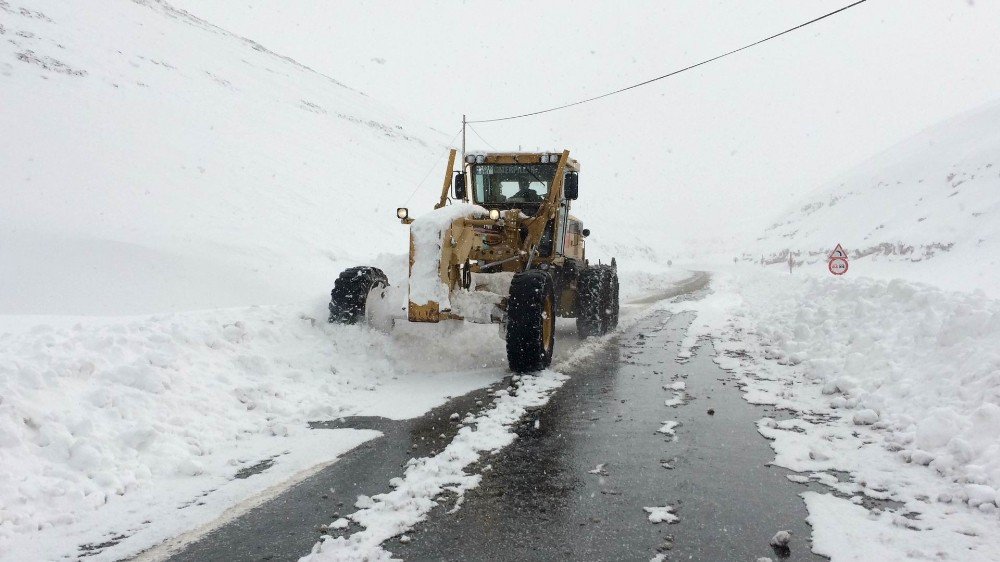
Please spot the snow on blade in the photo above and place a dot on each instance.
(428, 232)
(414, 495)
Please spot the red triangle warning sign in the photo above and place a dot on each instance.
(838, 252)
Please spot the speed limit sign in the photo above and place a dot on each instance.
(838, 266)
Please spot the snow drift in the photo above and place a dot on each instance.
(919, 362)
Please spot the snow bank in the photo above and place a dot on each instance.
(844, 531)
(428, 235)
(893, 390)
(922, 362)
(106, 423)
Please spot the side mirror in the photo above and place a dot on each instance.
(459, 185)
(586, 232)
(571, 186)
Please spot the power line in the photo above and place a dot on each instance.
(482, 139)
(431, 170)
(675, 72)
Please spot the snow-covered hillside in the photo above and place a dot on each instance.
(154, 162)
(927, 209)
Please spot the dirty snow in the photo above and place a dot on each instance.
(781, 538)
(476, 306)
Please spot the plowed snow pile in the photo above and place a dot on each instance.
(894, 394)
(138, 429)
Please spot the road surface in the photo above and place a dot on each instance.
(575, 482)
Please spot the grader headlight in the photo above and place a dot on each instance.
(494, 214)
(402, 213)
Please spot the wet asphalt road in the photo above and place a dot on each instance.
(287, 527)
(538, 500)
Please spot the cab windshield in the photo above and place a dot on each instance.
(510, 186)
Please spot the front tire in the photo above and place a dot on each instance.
(349, 297)
(531, 321)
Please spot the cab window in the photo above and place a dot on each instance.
(508, 186)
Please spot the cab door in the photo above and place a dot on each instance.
(572, 239)
(562, 228)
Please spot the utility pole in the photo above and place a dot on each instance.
(463, 139)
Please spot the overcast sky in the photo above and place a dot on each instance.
(714, 151)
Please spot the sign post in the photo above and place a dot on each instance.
(837, 261)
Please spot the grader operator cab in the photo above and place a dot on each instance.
(505, 251)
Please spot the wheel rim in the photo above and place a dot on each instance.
(548, 324)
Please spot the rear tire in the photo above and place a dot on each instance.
(591, 302)
(613, 304)
(350, 293)
(531, 321)
(597, 300)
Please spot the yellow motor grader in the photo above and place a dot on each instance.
(506, 250)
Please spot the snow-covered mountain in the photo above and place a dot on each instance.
(929, 208)
(154, 162)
